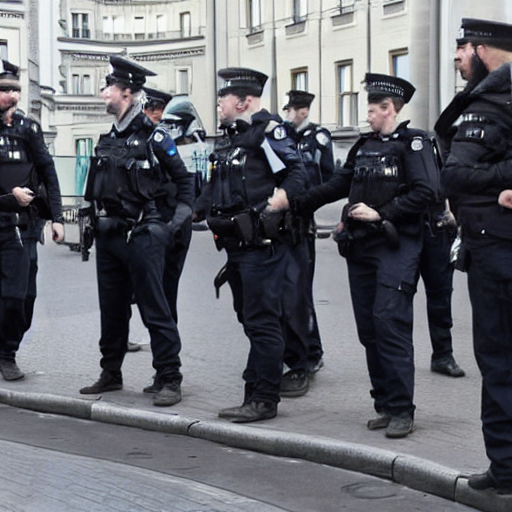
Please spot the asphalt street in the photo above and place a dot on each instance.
(60, 354)
(54, 463)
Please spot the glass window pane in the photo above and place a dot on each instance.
(401, 66)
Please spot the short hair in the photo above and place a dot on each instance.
(376, 97)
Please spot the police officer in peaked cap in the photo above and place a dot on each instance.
(29, 195)
(390, 178)
(140, 191)
(255, 171)
(155, 103)
(477, 177)
(303, 352)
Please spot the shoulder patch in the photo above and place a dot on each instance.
(417, 144)
(161, 139)
(279, 133)
(322, 138)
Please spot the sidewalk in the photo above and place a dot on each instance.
(327, 425)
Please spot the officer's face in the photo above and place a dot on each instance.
(154, 113)
(113, 96)
(8, 99)
(227, 108)
(380, 114)
(463, 55)
(297, 115)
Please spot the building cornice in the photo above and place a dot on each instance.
(127, 42)
(142, 57)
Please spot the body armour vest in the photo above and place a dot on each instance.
(378, 171)
(125, 174)
(241, 176)
(17, 169)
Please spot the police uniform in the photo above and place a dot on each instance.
(136, 183)
(304, 351)
(396, 175)
(176, 254)
(247, 165)
(477, 170)
(25, 162)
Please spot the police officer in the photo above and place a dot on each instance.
(27, 169)
(303, 352)
(390, 178)
(141, 191)
(476, 177)
(155, 103)
(255, 170)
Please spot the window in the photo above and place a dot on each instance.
(347, 99)
(80, 84)
(86, 84)
(3, 50)
(254, 14)
(118, 25)
(300, 79)
(161, 27)
(80, 25)
(182, 81)
(185, 26)
(139, 28)
(300, 10)
(400, 64)
(75, 84)
(107, 27)
(83, 151)
(347, 6)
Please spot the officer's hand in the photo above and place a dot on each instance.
(57, 231)
(279, 201)
(23, 195)
(363, 212)
(505, 198)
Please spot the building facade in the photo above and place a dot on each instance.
(323, 46)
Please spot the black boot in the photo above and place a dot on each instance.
(108, 381)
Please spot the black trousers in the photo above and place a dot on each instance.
(382, 287)
(489, 269)
(436, 271)
(175, 256)
(303, 348)
(136, 268)
(256, 280)
(14, 279)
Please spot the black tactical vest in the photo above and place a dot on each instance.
(16, 168)
(124, 175)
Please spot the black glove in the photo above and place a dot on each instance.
(182, 213)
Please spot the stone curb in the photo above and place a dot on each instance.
(412, 472)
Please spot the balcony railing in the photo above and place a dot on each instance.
(148, 36)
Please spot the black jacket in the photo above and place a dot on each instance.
(396, 174)
(248, 164)
(479, 165)
(27, 134)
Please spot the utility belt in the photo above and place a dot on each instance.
(20, 220)
(113, 225)
(358, 230)
(250, 228)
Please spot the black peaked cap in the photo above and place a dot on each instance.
(242, 81)
(128, 73)
(299, 99)
(389, 85)
(489, 32)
